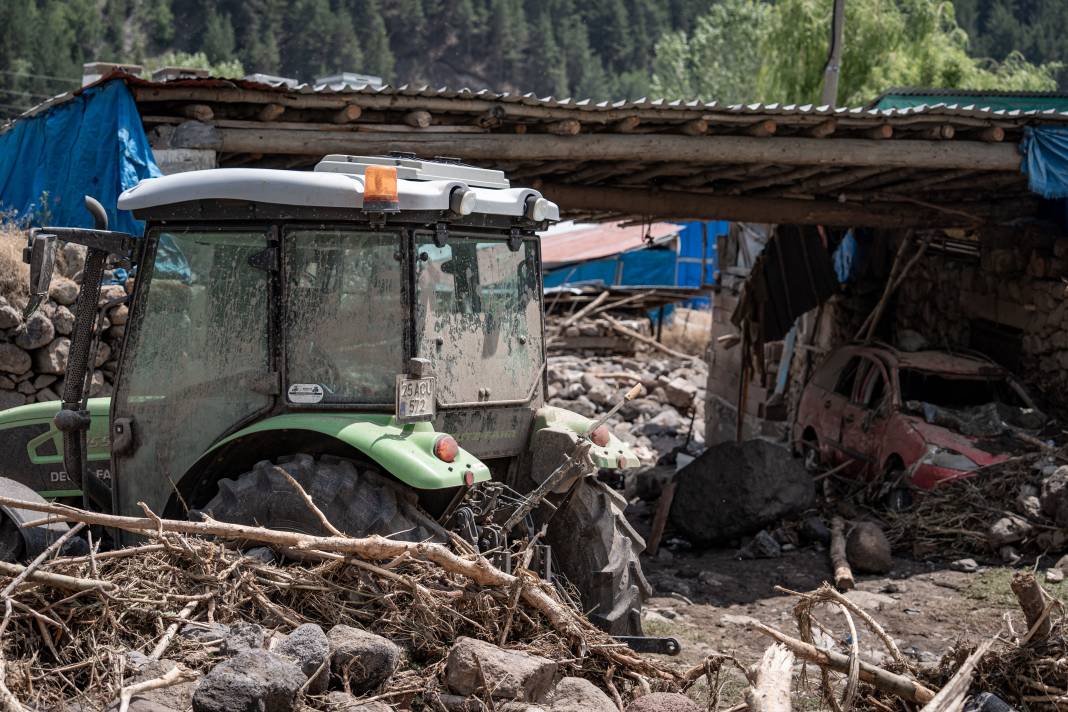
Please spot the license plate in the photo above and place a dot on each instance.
(416, 399)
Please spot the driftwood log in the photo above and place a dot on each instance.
(906, 688)
(1033, 602)
(769, 687)
(843, 575)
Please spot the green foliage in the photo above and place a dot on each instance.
(732, 50)
(746, 50)
(196, 60)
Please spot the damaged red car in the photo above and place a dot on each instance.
(920, 417)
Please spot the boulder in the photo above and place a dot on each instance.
(165, 699)
(13, 359)
(965, 566)
(63, 321)
(11, 399)
(666, 422)
(72, 259)
(243, 637)
(663, 702)
(1054, 496)
(46, 395)
(44, 380)
(10, 317)
(576, 694)
(119, 314)
(205, 633)
(63, 291)
(509, 674)
(359, 660)
(35, 333)
(344, 702)
(310, 648)
(868, 549)
(1009, 530)
(53, 358)
(736, 489)
(254, 681)
(1054, 575)
(103, 353)
(680, 393)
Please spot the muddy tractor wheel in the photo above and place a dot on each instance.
(596, 549)
(357, 500)
(17, 543)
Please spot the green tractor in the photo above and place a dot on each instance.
(373, 328)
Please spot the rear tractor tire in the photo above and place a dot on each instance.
(359, 502)
(596, 549)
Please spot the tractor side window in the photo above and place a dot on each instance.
(478, 317)
(345, 315)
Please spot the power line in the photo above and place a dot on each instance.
(40, 76)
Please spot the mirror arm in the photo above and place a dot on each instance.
(120, 244)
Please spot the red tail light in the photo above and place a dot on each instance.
(445, 448)
(600, 436)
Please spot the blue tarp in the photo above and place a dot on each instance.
(650, 266)
(92, 145)
(1045, 163)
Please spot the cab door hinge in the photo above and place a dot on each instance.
(266, 260)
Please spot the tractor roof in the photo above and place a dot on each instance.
(338, 182)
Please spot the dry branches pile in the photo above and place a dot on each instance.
(72, 621)
(954, 519)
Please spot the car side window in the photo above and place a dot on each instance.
(874, 389)
(847, 377)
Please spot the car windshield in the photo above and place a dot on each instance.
(344, 315)
(478, 318)
(948, 391)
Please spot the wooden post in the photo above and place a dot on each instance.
(626, 125)
(762, 129)
(271, 112)
(1032, 600)
(993, 134)
(769, 690)
(696, 127)
(198, 112)
(347, 114)
(822, 129)
(567, 127)
(843, 575)
(418, 119)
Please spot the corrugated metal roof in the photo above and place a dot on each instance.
(592, 242)
(710, 110)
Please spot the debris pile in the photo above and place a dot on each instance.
(34, 351)
(1016, 507)
(668, 418)
(186, 622)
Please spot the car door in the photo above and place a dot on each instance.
(864, 418)
(832, 410)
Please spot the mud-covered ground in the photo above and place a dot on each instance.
(925, 607)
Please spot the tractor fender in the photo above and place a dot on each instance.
(34, 539)
(616, 455)
(406, 451)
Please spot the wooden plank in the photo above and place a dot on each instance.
(901, 153)
(673, 204)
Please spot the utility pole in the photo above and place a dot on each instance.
(829, 95)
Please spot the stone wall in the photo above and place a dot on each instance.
(34, 351)
(1007, 305)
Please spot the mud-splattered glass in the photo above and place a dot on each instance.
(196, 356)
(478, 318)
(345, 315)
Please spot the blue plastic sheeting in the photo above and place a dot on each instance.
(650, 266)
(845, 258)
(1045, 163)
(93, 144)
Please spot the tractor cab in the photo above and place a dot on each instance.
(372, 330)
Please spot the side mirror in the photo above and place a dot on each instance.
(41, 256)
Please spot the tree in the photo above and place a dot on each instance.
(887, 43)
(219, 39)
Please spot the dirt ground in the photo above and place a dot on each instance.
(925, 607)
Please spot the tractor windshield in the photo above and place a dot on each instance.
(478, 318)
(345, 315)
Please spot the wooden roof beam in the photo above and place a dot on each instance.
(777, 210)
(796, 151)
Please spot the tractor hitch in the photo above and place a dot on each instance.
(650, 644)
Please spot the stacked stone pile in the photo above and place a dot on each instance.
(656, 423)
(34, 351)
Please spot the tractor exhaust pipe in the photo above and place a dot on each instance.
(73, 419)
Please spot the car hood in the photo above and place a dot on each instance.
(982, 451)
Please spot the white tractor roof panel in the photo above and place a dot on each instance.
(325, 189)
